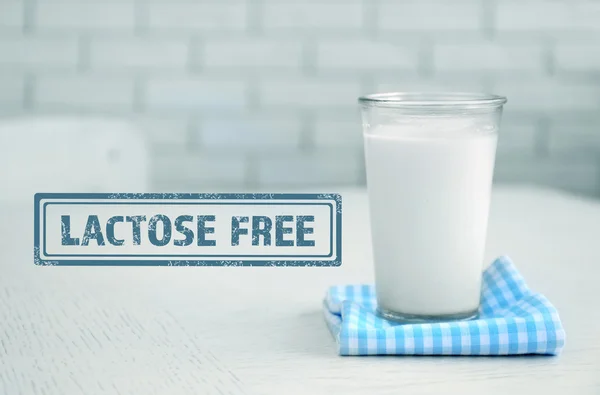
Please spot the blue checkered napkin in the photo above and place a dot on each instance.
(512, 320)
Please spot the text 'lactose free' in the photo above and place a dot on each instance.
(186, 230)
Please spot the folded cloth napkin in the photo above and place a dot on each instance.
(512, 320)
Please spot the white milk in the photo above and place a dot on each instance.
(429, 191)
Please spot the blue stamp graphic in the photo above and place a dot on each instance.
(188, 229)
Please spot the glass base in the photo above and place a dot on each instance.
(403, 318)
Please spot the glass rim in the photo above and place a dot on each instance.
(433, 100)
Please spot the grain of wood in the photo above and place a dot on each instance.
(190, 330)
(65, 341)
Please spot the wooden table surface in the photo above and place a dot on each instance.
(198, 330)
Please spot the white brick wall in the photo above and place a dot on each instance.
(178, 170)
(240, 87)
(336, 130)
(489, 56)
(236, 53)
(251, 133)
(97, 93)
(227, 15)
(582, 57)
(578, 175)
(574, 137)
(308, 93)
(11, 92)
(373, 55)
(11, 14)
(312, 16)
(436, 15)
(548, 95)
(467, 82)
(85, 15)
(165, 130)
(318, 168)
(38, 53)
(540, 15)
(139, 54)
(518, 138)
(193, 94)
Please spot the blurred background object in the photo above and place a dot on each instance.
(250, 94)
(70, 154)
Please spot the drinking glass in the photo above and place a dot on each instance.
(429, 162)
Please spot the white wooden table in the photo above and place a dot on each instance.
(195, 330)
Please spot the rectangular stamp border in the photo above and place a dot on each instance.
(206, 198)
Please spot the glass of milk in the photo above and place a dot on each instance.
(430, 162)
